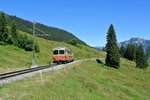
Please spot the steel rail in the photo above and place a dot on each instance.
(24, 71)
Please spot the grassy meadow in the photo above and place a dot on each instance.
(86, 80)
(14, 58)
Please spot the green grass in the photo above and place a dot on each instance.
(86, 80)
(14, 58)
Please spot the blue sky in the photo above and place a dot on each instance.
(89, 20)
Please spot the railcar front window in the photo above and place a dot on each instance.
(55, 52)
(61, 51)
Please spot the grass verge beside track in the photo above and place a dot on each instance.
(85, 80)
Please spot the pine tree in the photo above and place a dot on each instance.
(112, 57)
(103, 49)
(141, 59)
(13, 30)
(122, 51)
(148, 51)
(13, 33)
(3, 28)
(130, 53)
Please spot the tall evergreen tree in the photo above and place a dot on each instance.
(103, 49)
(141, 59)
(13, 30)
(14, 34)
(112, 49)
(130, 52)
(3, 28)
(122, 51)
(148, 51)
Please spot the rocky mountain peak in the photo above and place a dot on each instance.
(136, 41)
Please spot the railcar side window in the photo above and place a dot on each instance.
(61, 51)
(55, 52)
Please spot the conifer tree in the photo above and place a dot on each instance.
(13, 30)
(112, 57)
(122, 51)
(130, 52)
(14, 34)
(148, 51)
(141, 59)
(3, 28)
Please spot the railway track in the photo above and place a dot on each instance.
(21, 74)
(24, 71)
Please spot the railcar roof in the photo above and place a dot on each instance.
(61, 48)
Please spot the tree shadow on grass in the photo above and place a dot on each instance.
(99, 61)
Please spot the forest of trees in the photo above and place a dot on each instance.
(135, 53)
(9, 35)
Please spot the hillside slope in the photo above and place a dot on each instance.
(54, 33)
(86, 80)
(14, 58)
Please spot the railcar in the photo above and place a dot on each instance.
(62, 54)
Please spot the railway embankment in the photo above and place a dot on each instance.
(9, 77)
(85, 80)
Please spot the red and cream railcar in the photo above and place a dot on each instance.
(62, 54)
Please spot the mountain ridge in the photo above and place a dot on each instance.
(136, 41)
(133, 41)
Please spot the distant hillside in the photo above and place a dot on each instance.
(54, 33)
(98, 47)
(9, 54)
(136, 41)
